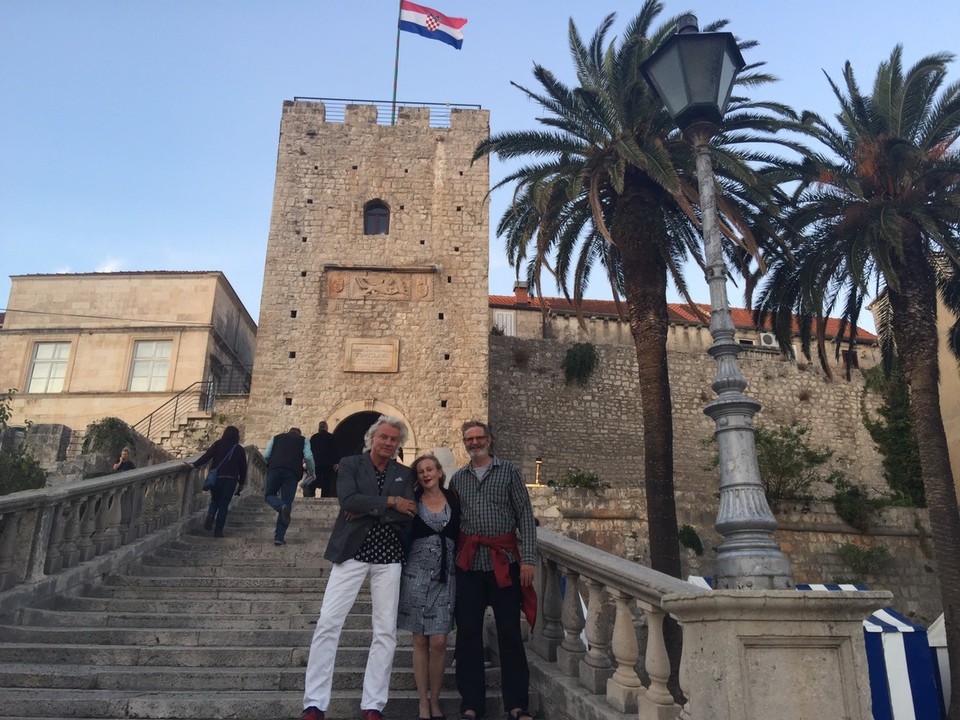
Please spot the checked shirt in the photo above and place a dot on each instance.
(497, 504)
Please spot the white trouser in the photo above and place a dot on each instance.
(342, 588)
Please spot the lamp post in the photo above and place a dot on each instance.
(693, 74)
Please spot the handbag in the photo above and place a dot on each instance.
(211, 480)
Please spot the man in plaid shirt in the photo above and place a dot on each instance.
(495, 569)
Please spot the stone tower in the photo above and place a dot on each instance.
(375, 291)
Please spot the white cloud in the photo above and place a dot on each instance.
(110, 265)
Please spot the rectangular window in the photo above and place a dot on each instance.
(151, 364)
(505, 320)
(49, 367)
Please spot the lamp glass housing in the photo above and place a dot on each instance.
(693, 73)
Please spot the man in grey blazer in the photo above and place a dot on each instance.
(369, 537)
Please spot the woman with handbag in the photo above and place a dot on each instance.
(229, 475)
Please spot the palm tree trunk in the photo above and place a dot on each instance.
(915, 330)
(645, 278)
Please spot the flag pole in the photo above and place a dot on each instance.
(396, 68)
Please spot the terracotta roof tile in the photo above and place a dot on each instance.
(679, 313)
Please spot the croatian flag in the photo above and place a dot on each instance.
(431, 24)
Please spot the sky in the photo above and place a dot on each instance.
(142, 135)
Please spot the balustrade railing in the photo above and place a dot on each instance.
(614, 590)
(45, 532)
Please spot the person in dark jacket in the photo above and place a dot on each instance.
(326, 456)
(370, 533)
(286, 454)
(428, 581)
(230, 460)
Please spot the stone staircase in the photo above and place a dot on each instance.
(201, 628)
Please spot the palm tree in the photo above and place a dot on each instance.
(881, 212)
(613, 182)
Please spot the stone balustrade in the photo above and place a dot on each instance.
(747, 654)
(56, 537)
(612, 588)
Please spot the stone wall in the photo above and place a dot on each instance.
(392, 323)
(597, 426)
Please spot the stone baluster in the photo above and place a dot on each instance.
(552, 602)
(147, 494)
(656, 703)
(108, 522)
(571, 650)
(595, 668)
(127, 503)
(9, 531)
(625, 686)
(54, 558)
(88, 518)
(139, 495)
(71, 517)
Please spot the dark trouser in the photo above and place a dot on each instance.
(327, 481)
(220, 497)
(475, 591)
(280, 489)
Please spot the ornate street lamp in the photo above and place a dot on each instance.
(693, 74)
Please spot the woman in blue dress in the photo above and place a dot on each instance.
(428, 582)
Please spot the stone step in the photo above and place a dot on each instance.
(189, 584)
(348, 677)
(210, 705)
(211, 594)
(184, 570)
(175, 637)
(211, 621)
(180, 606)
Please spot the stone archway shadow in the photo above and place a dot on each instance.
(350, 422)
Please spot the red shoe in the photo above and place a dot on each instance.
(312, 713)
(371, 715)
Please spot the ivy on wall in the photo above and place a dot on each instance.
(580, 362)
(894, 436)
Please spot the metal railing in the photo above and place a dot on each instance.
(439, 112)
(194, 398)
(201, 396)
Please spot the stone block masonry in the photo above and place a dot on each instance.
(375, 323)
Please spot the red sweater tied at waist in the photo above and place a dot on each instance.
(499, 546)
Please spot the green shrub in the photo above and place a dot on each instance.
(578, 478)
(689, 539)
(854, 506)
(788, 464)
(580, 362)
(864, 561)
(18, 468)
(109, 435)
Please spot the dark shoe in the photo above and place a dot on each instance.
(284, 515)
(208, 523)
(280, 542)
(218, 535)
(371, 715)
(519, 714)
(312, 713)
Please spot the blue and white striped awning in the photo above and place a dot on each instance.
(835, 587)
(902, 681)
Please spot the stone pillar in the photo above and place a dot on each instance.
(774, 654)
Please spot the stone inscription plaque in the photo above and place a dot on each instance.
(371, 356)
(379, 285)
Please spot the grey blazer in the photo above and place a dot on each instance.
(358, 494)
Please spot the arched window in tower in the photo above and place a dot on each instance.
(376, 218)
